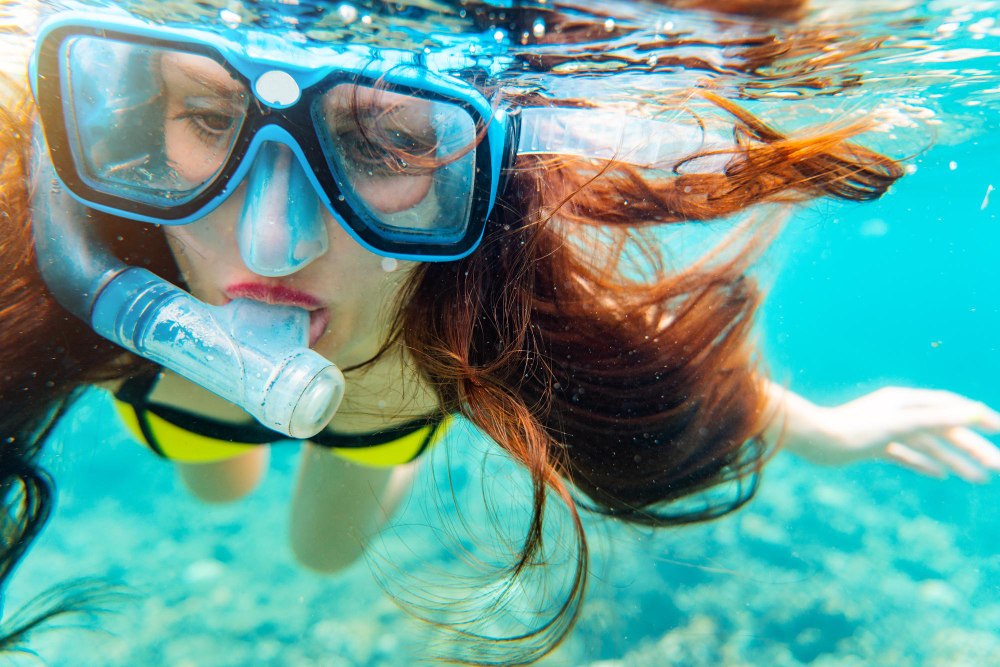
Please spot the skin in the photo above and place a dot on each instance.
(338, 503)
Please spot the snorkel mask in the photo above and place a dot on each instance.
(405, 155)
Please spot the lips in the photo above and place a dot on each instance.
(319, 320)
(281, 295)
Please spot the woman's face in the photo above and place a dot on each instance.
(348, 289)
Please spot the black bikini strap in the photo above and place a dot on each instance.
(250, 433)
(427, 441)
(361, 440)
(136, 390)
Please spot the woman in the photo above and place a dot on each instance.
(450, 260)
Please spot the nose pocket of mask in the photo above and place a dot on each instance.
(281, 228)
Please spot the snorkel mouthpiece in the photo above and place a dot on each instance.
(252, 354)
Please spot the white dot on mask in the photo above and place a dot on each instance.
(277, 88)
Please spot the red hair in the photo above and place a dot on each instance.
(636, 390)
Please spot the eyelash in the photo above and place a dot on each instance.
(205, 134)
(363, 151)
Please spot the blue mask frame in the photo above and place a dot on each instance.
(290, 124)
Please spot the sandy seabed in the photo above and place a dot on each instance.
(857, 566)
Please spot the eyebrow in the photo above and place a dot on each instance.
(222, 88)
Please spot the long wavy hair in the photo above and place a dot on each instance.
(621, 384)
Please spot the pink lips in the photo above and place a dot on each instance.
(319, 320)
(319, 317)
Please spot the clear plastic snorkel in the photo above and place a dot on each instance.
(252, 354)
(640, 141)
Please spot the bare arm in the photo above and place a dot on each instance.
(228, 480)
(930, 431)
(217, 481)
(338, 504)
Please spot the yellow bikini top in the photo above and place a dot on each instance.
(180, 435)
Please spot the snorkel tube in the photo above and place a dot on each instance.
(252, 354)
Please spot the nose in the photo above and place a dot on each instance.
(281, 227)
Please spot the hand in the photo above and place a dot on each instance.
(926, 430)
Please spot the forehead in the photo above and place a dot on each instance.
(194, 70)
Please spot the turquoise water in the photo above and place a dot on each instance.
(867, 564)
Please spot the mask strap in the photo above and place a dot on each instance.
(640, 141)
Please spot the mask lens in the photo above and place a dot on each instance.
(152, 124)
(405, 164)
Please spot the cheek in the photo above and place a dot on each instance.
(188, 254)
(349, 273)
(201, 240)
(395, 194)
(203, 250)
(193, 163)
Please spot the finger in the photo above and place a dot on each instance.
(909, 397)
(912, 397)
(914, 460)
(979, 414)
(952, 460)
(975, 445)
(990, 420)
(956, 413)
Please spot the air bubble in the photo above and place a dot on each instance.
(348, 13)
(230, 17)
(538, 28)
(609, 25)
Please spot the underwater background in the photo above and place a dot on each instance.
(866, 564)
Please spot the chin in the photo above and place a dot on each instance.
(333, 349)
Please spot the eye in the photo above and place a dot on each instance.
(361, 150)
(215, 122)
(210, 126)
